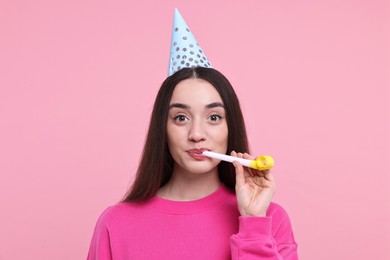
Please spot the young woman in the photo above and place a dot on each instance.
(183, 205)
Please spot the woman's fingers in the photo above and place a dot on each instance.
(254, 188)
(240, 178)
(248, 156)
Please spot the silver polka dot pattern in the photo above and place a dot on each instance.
(185, 51)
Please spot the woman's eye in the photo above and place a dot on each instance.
(215, 117)
(180, 118)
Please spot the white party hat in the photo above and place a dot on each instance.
(185, 50)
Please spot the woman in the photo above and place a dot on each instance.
(183, 205)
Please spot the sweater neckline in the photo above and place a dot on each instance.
(218, 197)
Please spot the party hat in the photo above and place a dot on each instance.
(185, 50)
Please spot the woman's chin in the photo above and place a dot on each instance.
(201, 168)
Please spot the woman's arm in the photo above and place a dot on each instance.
(264, 233)
(255, 239)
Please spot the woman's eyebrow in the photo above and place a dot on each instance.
(184, 106)
(179, 105)
(215, 104)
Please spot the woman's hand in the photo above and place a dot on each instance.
(254, 189)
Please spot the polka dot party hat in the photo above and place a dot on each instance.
(185, 50)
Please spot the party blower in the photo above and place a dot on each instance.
(261, 163)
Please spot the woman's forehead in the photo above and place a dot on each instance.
(195, 91)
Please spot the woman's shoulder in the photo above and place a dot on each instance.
(280, 219)
(276, 209)
(277, 212)
(116, 212)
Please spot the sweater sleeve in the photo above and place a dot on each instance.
(260, 238)
(100, 247)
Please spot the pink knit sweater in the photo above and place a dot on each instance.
(208, 228)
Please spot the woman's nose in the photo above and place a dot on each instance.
(197, 132)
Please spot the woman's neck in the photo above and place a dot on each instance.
(190, 186)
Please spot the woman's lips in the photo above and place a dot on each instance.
(197, 153)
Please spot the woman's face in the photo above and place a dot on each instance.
(196, 122)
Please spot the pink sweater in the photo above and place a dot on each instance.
(208, 228)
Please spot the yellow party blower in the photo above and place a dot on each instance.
(261, 163)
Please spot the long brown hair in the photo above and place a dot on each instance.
(155, 168)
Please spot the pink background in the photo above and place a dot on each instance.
(77, 83)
